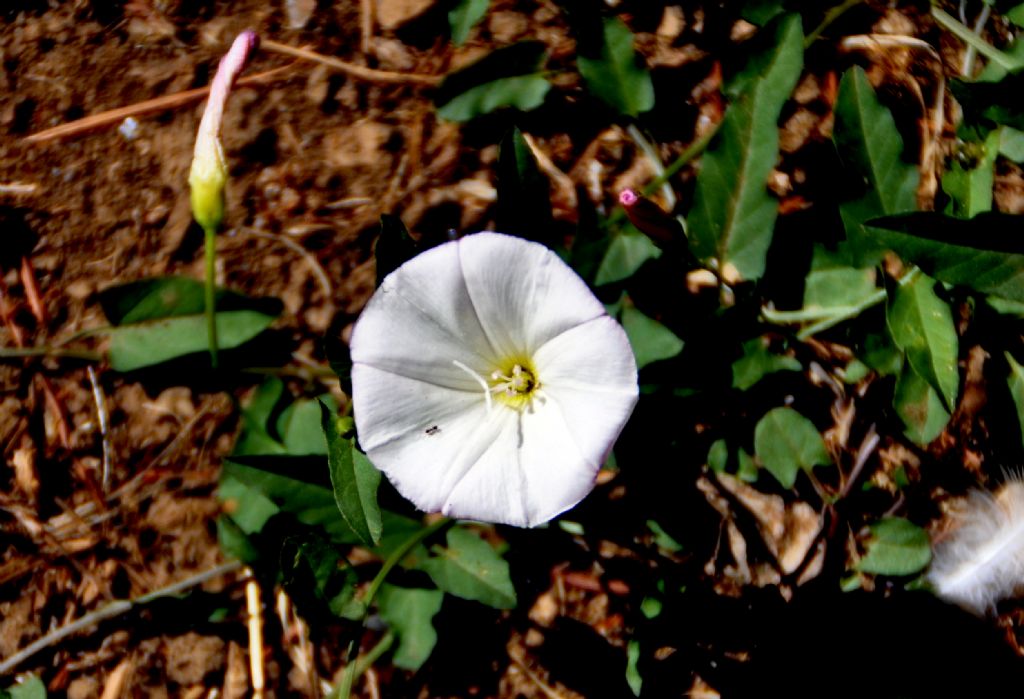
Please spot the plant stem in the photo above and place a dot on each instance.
(971, 39)
(829, 317)
(831, 16)
(356, 669)
(210, 245)
(692, 151)
(345, 686)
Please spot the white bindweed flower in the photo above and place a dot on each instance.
(488, 381)
(209, 172)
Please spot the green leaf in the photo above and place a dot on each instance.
(507, 77)
(1011, 144)
(651, 341)
(1015, 381)
(970, 188)
(922, 326)
(733, 215)
(870, 147)
(994, 100)
(627, 250)
(394, 246)
(152, 342)
(464, 17)
(760, 12)
(919, 406)
(723, 459)
(633, 678)
(985, 253)
(833, 286)
(785, 441)
(354, 481)
(410, 612)
(524, 192)
(469, 568)
(300, 429)
(249, 508)
(896, 547)
(881, 354)
(30, 687)
(292, 484)
(523, 92)
(233, 541)
(757, 362)
(312, 566)
(615, 76)
(1016, 15)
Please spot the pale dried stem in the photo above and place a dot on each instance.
(310, 258)
(254, 614)
(157, 104)
(356, 71)
(101, 414)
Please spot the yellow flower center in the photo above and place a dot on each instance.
(514, 385)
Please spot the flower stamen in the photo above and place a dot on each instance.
(479, 379)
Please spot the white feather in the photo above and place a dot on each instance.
(982, 561)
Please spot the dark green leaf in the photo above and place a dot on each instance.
(233, 541)
(833, 286)
(172, 297)
(785, 442)
(507, 77)
(464, 17)
(615, 77)
(985, 253)
(524, 198)
(990, 102)
(922, 326)
(394, 246)
(722, 459)
(256, 438)
(152, 342)
(249, 508)
(919, 406)
(871, 148)
(733, 215)
(651, 341)
(293, 483)
(626, 251)
(896, 547)
(633, 678)
(354, 481)
(757, 362)
(312, 567)
(410, 612)
(1011, 144)
(469, 568)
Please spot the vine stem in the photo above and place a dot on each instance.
(347, 677)
(829, 317)
(210, 244)
(831, 16)
(68, 352)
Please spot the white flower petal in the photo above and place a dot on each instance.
(432, 338)
(421, 320)
(523, 293)
(596, 388)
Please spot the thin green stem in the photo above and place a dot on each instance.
(398, 554)
(210, 243)
(68, 352)
(967, 36)
(356, 669)
(830, 317)
(684, 159)
(831, 16)
(345, 686)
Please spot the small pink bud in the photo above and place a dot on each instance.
(628, 197)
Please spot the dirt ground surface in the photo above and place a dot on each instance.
(108, 487)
